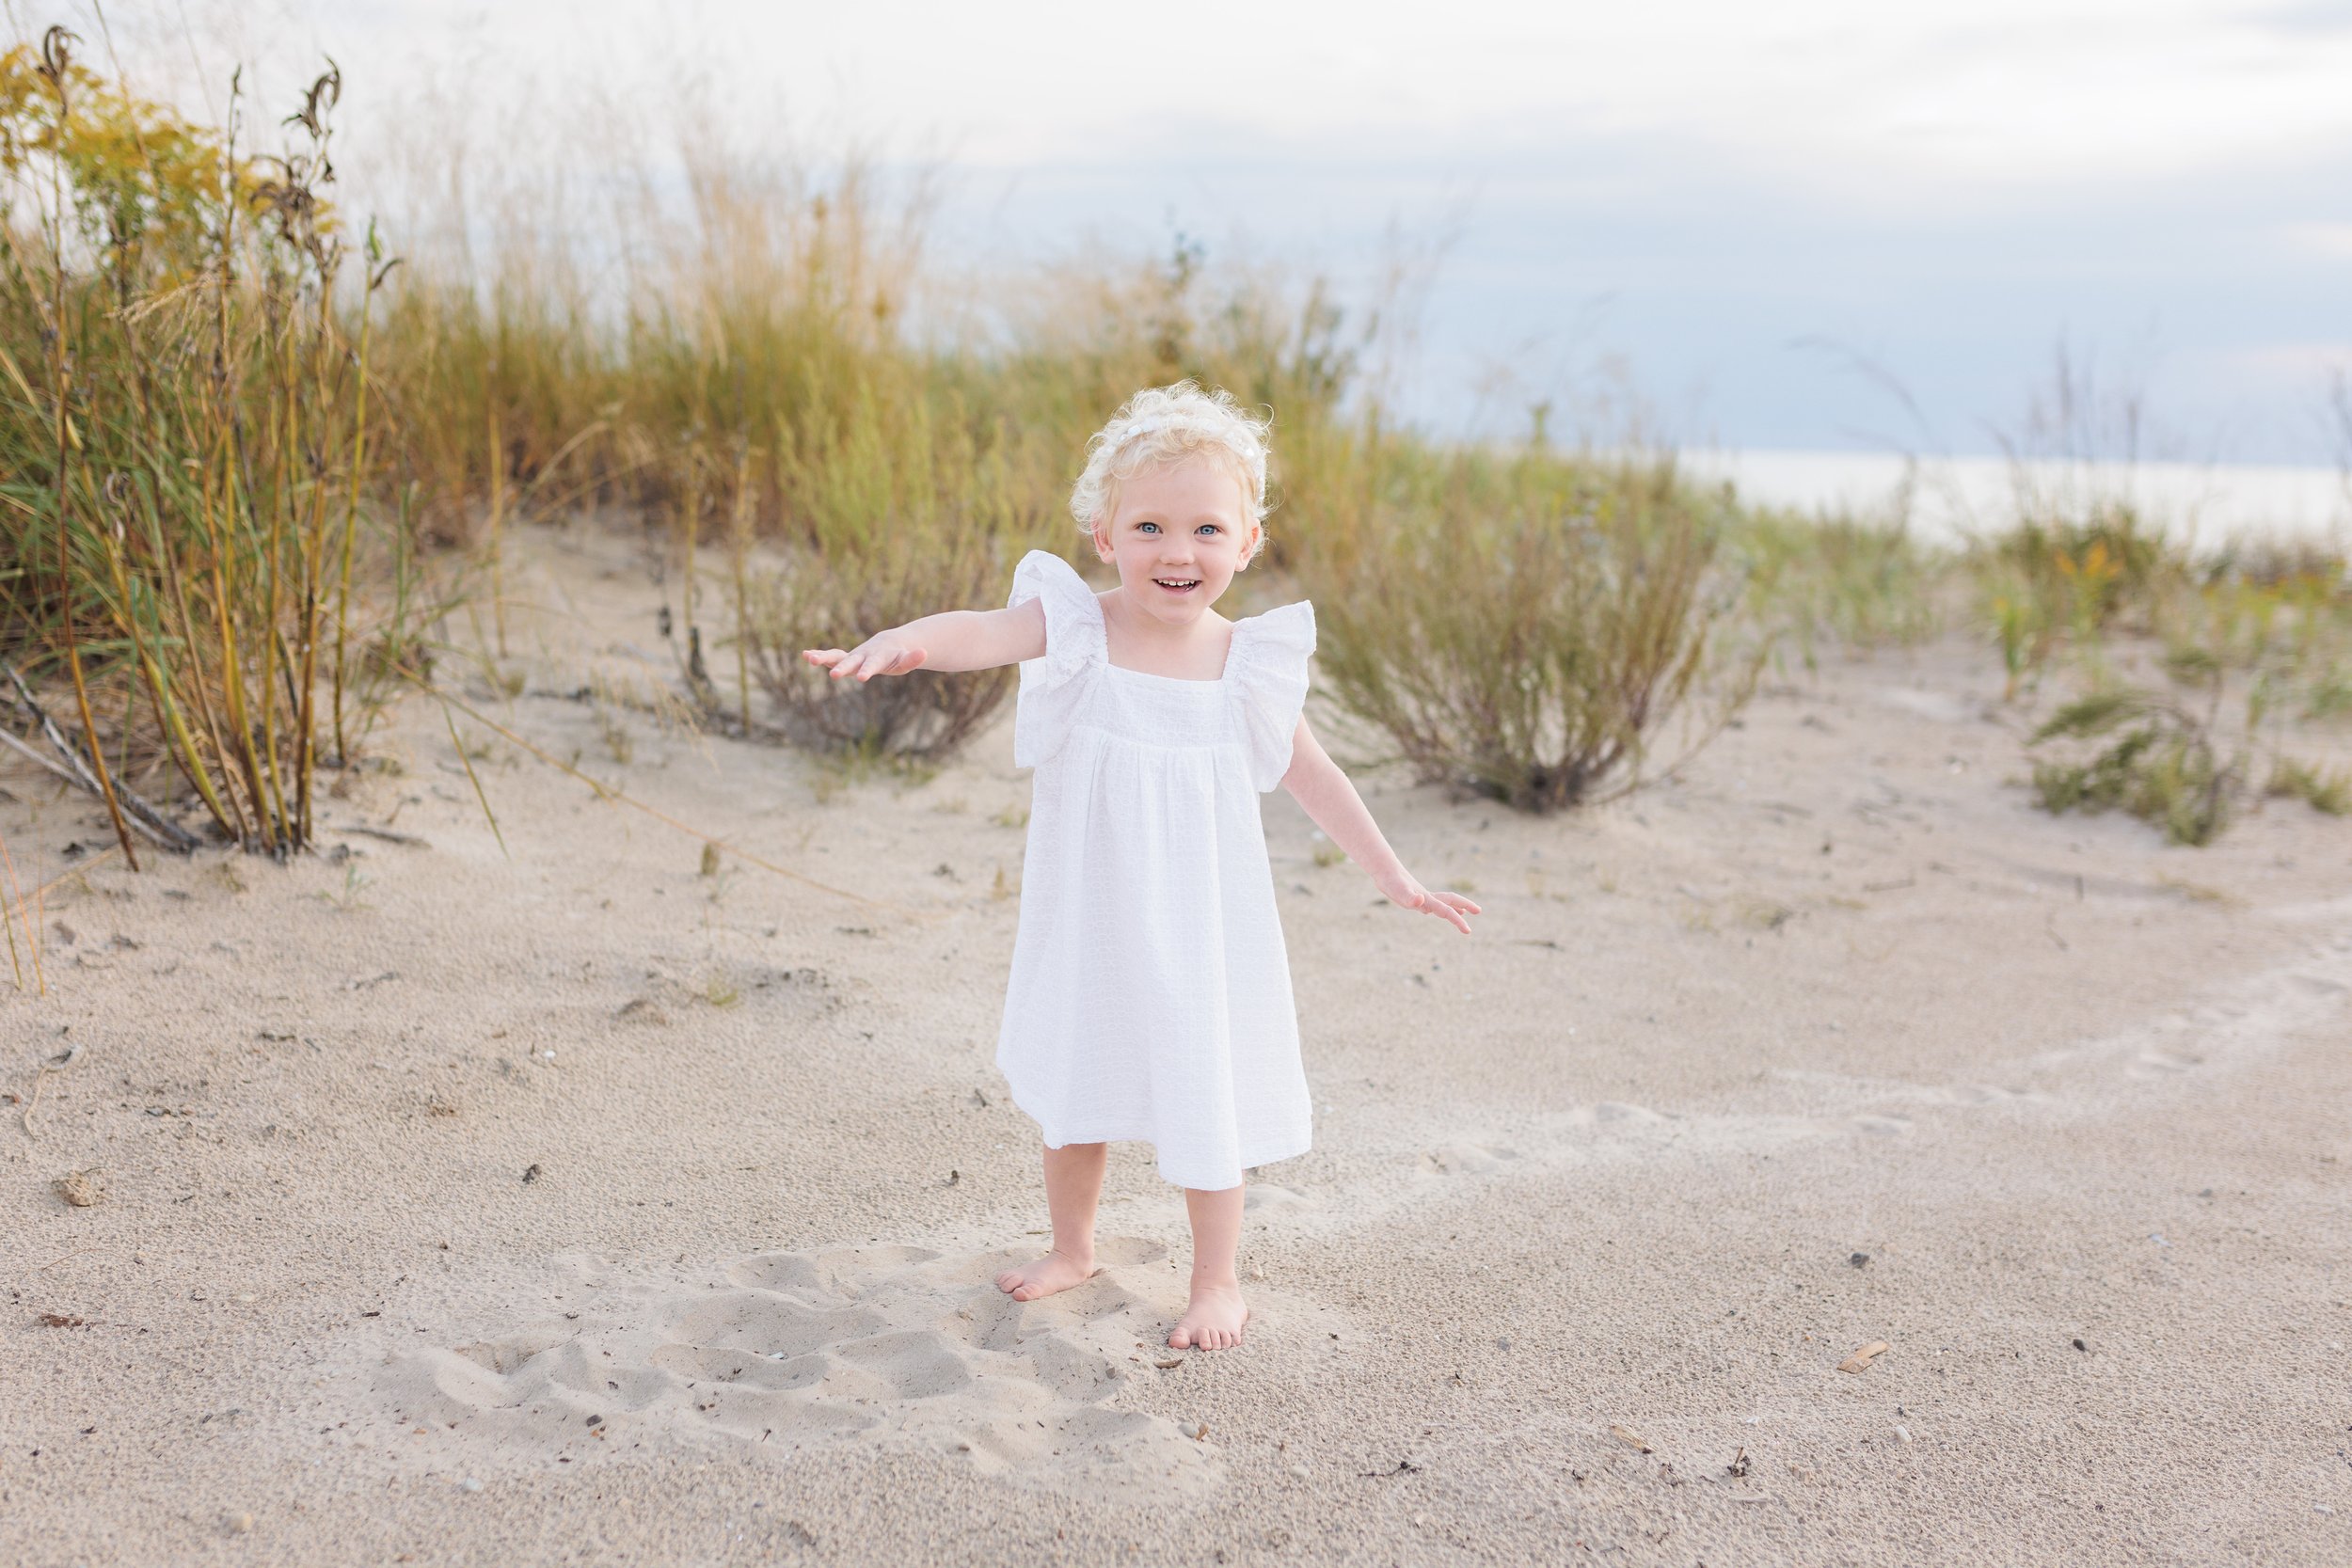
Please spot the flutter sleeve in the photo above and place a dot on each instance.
(1270, 673)
(1053, 686)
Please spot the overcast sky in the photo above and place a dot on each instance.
(1738, 200)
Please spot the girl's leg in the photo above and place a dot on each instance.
(1214, 1317)
(1073, 1187)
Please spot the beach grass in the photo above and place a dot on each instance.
(253, 465)
(184, 429)
(1527, 627)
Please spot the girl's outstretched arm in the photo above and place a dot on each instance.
(951, 639)
(1330, 797)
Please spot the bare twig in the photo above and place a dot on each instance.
(36, 759)
(387, 835)
(152, 823)
(46, 1068)
(62, 1257)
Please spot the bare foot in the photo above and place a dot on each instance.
(1054, 1272)
(1213, 1321)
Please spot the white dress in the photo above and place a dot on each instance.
(1151, 994)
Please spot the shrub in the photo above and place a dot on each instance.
(901, 509)
(2158, 758)
(1524, 626)
(2152, 758)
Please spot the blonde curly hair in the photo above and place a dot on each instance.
(1163, 425)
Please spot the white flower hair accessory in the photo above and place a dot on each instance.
(1167, 424)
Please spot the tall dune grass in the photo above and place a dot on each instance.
(261, 423)
(184, 432)
(834, 438)
(1856, 583)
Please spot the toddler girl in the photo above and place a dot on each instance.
(1150, 996)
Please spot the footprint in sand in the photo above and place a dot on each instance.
(1982, 1094)
(1467, 1160)
(2152, 1064)
(894, 1346)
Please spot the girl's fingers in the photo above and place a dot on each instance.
(863, 663)
(1446, 906)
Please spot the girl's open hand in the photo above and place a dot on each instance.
(883, 654)
(1403, 892)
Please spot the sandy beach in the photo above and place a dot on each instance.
(562, 1203)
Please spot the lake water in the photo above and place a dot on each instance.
(1954, 499)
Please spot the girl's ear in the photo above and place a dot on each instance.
(1101, 539)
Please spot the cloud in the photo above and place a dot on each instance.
(1949, 184)
(2331, 240)
(2310, 17)
(2309, 364)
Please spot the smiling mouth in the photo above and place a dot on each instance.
(1178, 585)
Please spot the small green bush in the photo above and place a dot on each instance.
(2058, 580)
(2326, 791)
(2152, 758)
(1524, 626)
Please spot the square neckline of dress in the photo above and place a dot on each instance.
(1223, 676)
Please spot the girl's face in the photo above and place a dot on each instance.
(1178, 535)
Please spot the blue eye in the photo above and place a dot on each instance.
(1147, 525)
